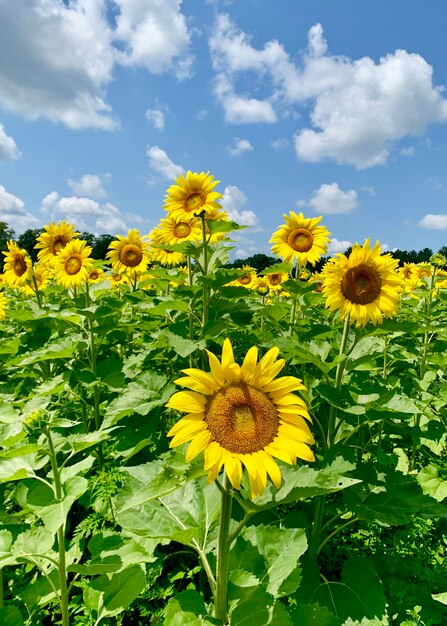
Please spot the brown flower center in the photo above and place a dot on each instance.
(94, 275)
(361, 284)
(73, 264)
(241, 418)
(131, 255)
(194, 201)
(19, 265)
(274, 279)
(300, 239)
(59, 243)
(182, 229)
(245, 279)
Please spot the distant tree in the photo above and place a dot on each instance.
(443, 250)
(258, 261)
(28, 239)
(6, 233)
(101, 245)
(89, 238)
(424, 255)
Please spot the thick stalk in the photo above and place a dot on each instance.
(205, 290)
(223, 553)
(62, 573)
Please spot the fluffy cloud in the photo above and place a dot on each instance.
(280, 144)
(12, 211)
(8, 147)
(359, 108)
(434, 222)
(329, 199)
(162, 164)
(338, 246)
(154, 35)
(89, 185)
(58, 57)
(239, 146)
(156, 117)
(233, 202)
(81, 211)
(240, 110)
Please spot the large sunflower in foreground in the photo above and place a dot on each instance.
(365, 285)
(242, 416)
(300, 238)
(18, 267)
(54, 239)
(193, 194)
(72, 264)
(129, 254)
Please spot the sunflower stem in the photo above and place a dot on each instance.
(338, 379)
(205, 271)
(36, 290)
(223, 553)
(294, 302)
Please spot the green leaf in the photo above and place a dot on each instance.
(432, 484)
(14, 469)
(281, 549)
(53, 512)
(440, 597)
(222, 226)
(62, 349)
(313, 615)
(254, 607)
(11, 616)
(359, 574)
(187, 609)
(117, 591)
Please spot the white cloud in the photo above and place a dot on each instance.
(370, 190)
(336, 246)
(90, 185)
(280, 144)
(162, 164)
(12, 211)
(329, 199)
(58, 57)
(83, 211)
(409, 151)
(239, 146)
(156, 117)
(435, 222)
(240, 110)
(154, 35)
(233, 202)
(359, 108)
(8, 147)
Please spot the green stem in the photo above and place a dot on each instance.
(338, 380)
(334, 532)
(36, 290)
(294, 303)
(205, 290)
(223, 553)
(62, 569)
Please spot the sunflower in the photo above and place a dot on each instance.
(3, 303)
(173, 230)
(424, 270)
(73, 263)
(53, 240)
(95, 275)
(275, 280)
(18, 267)
(242, 416)
(41, 275)
(129, 254)
(116, 280)
(164, 257)
(409, 275)
(248, 280)
(300, 238)
(193, 194)
(364, 285)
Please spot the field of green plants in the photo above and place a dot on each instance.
(187, 444)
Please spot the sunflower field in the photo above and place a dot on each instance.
(187, 444)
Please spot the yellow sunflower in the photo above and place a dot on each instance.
(409, 275)
(193, 194)
(365, 285)
(95, 275)
(275, 280)
(41, 274)
(300, 238)
(248, 280)
(116, 280)
(54, 239)
(129, 254)
(173, 230)
(424, 270)
(73, 263)
(18, 267)
(242, 416)
(3, 303)
(164, 257)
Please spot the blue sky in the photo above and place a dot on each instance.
(331, 108)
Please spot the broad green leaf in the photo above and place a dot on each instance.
(187, 609)
(255, 606)
(53, 512)
(440, 597)
(281, 549)
(432, 484)
(14, 469)
(313, 615)
(35, 541)
(11, 616)
(62, 349)
(359, 574)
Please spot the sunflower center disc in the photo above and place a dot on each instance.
(59, 243)
(182, 229)
(274, 279)
(93, 275)
(361, 284)
(19, 265)
(245, 280)
(300, 240)
(194, 201)
(131, 255)
(73, 265)
(241, 418)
